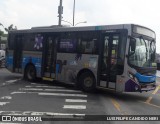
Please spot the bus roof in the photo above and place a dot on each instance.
(66, 28)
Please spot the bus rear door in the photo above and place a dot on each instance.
(49, 59)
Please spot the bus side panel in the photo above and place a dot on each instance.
(34, 58)
(9, 60)
(69, 65)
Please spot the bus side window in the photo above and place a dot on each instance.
(67, 43)
(33, 42)
(87, 43)
(11, 41)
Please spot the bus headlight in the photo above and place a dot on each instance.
(136, 87)
(133, 77)
(136, 80)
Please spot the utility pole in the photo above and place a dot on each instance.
(73, 12)
(60, 12)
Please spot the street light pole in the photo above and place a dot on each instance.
(60, 12)
(67, 22)
(80, 23)
(73, 12)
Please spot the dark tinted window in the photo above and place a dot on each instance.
(79, 42)
(33, 42)
(88, 42)
(11, 41)
(67, 42)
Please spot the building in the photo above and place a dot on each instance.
(3, 41)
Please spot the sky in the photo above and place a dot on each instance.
(31, 13)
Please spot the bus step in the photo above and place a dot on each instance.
(48, 79)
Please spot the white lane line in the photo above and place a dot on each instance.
(48, 87)
(6, 97)
(18, 93)
(61, 94)
(12, 81)
(9, 82)
(10, 123)
(54, 90)
(38, 113)
(45, 87)
(60, 90)
(30, 89)
(33, 83)
(75, 100)
(3, 103)
(28, 86)
(74, 107)
(50, 94)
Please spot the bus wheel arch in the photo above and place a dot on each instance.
(86, 80)
(30, 72)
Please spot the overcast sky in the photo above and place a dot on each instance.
(31, 13)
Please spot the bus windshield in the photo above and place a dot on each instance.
(144, 53)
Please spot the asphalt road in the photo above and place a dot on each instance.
(19, 97)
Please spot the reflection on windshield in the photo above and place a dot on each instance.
(144, 54)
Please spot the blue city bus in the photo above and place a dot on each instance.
(120, 58)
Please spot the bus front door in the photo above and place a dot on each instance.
(109, 61)
(49, 59)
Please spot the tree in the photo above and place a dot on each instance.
(1, 33)
(10, 28)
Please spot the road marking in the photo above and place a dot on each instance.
(74, 107)
(50, 94)
(39, 113)
(12, 81)
(149, 99)
(60, 90)
(150, 104)
(61, 94)
(116, 104)
(3, 103)
(31, 89)
(6, 97)
(28, 86)
(54, 87)
(156, 90)
(10, 123)
(44, 87)
(54, 90)
(9, 82)
(64, 114)
(75, 100)
(18, 92)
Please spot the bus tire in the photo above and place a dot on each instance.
(87, 82)
(30, 73)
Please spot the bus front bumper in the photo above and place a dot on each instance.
(132, 86)
(147, 87)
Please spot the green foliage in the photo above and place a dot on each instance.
(1, 33)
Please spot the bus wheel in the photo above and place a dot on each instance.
(30, 73)
(87, 82)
